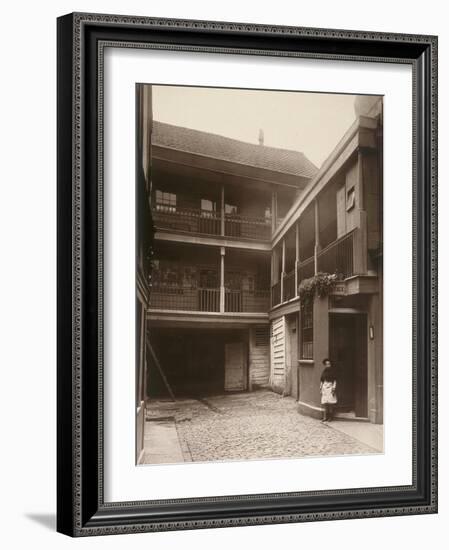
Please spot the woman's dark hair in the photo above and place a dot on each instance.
(327, 359)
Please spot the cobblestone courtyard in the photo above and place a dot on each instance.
(260, 425)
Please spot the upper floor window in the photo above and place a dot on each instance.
(350, 199)
(208, 207)
(165, 202)
(267, 214)
(231, 209)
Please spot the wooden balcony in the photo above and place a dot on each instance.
(208, 299)
(187, 220)
(276, 294)
(288, 288)
(246, 227)
(184, 299)
(338, 257)
(306, 269)
(201, 222)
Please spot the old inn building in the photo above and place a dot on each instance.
(239, 227)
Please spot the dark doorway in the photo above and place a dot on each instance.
(193, 360)
(348, 351)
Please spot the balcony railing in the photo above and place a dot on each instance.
(185, 299)
(233, 300)
(276, 294)
(208, 299)
(306, 269)
(289, 286)
(201, 222)
(338, 257)
(246, 227)
(188, 220)
(256, 301)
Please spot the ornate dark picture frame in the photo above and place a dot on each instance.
(81, 510)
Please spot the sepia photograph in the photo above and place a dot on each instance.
(259, 274)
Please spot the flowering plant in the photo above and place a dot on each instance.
(320, 285)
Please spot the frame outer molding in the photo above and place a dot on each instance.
(74, 510)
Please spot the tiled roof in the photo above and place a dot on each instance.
(232, 150)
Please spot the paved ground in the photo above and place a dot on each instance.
(162, 443)
(365, 432)
(241, 426)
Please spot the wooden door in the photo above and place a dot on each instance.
(341, 350)
(348, 352)
(361, 370)
(235, 366)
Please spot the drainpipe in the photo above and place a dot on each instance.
(282, 271)
(296, 258)
(222, 287)
(273, 211)
(222, 219)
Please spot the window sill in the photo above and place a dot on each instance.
(306, 362)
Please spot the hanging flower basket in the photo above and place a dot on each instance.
(319, 285)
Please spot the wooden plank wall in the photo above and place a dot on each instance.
(278, 354)
(259, 356)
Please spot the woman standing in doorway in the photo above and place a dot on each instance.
(328, 388)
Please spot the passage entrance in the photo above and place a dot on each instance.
(197, 362)
(348, 351)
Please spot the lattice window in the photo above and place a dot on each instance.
(307, 331)
(165, 202)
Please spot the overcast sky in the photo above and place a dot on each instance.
(309, 122)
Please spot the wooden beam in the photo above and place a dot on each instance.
(161, 372)
(228, 242)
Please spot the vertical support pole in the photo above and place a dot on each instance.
(222, 287)
(317, 234)
(282, 270)
(222, 213)
(296, 257)
(273, 211)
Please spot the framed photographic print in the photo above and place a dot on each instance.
(247, 282)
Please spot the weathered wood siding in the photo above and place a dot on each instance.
(259, 356)
(278, 354)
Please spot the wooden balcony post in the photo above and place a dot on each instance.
(282, 270)
(317, 234)
(296, 258)
(222, 213)
(273, 211)
(222, 287)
